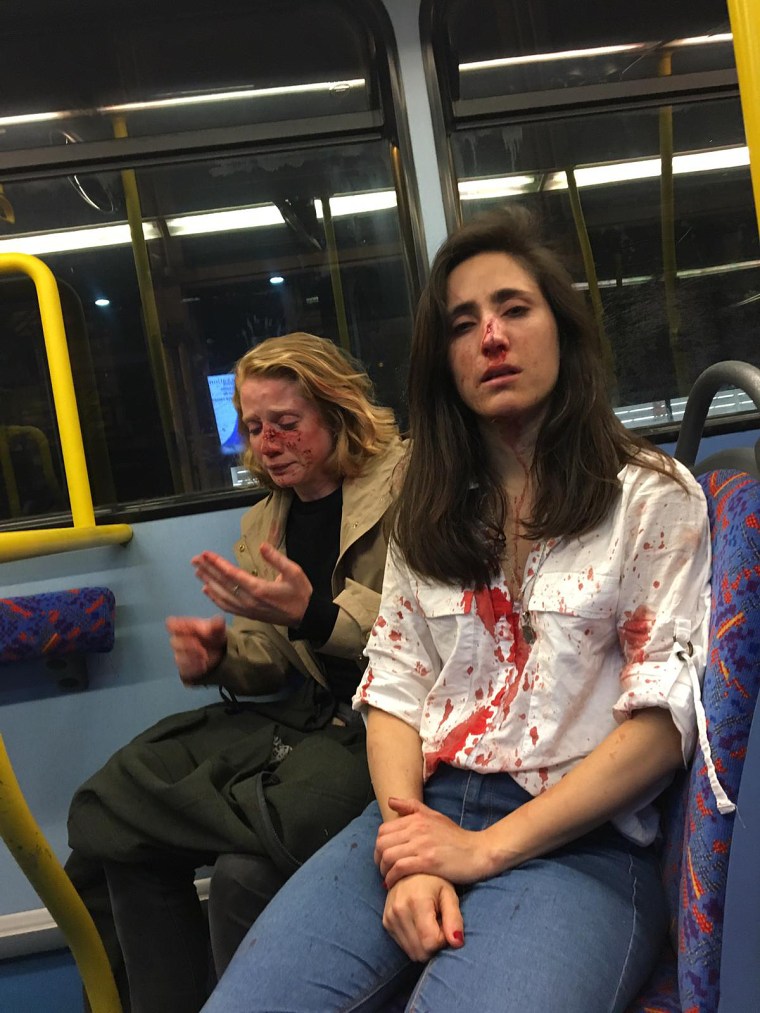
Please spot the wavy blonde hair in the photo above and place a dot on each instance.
(338, 386)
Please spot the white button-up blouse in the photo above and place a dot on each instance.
(613, 614)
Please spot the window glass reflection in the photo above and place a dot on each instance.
(497, 48)
(665, 322)
(154, 68)
(235, 250)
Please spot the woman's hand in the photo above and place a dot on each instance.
(422, 915)
(422, 840)
(282, 601)
(198, 645)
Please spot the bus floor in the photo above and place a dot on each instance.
(41, 983)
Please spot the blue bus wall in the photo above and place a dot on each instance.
(55, 739)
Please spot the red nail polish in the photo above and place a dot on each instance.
(459, 937)
(385, 884)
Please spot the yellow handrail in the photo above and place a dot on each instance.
(29, 848)
(21, 544)
(745, 18)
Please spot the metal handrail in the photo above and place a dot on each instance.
(732, 373)
(84, 533)
(744, 16)
(28, 846)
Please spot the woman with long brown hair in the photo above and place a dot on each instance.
(530, 683)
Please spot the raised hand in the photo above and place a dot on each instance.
(282, 601)
(198, 645)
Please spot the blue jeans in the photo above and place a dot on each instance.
(577, 931)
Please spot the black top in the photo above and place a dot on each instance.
(312, 537)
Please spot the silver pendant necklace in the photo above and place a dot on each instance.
(528, 633)
(526, 626)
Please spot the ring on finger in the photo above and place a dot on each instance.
(235, 589)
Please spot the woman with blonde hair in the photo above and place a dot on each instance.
(252, 787)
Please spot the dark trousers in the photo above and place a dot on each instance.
(241, 887)
(254, 790)
(163, 932)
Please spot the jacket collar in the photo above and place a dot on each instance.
(365, 500)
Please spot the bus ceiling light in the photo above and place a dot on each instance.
(599, 175)
(102, 302)
(343, 205)
(358, 203)
(276, 279)
(595, 51)
(504, 186)
(231, 220)
(237, 95)
(198, 224)
(74, 240)
(22, 118)
(565, 54)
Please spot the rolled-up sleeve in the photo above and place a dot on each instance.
(403, 662)
(664, 603)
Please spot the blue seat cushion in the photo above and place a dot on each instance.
(697, 836)
(58, 622)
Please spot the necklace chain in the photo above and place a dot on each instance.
(522, 595)
(523, 601)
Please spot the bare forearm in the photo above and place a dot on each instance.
(633, 758)
(394, 753)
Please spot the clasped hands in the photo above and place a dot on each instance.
(421, 855)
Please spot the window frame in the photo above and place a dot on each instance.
(451, 116)
(388, 124)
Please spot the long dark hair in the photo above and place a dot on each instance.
(450, 515)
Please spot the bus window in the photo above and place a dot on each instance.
(575, 112)
(188, 222)
(164, 68)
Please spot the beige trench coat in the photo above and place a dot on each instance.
(260, 655)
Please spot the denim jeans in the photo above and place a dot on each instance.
(576, 931)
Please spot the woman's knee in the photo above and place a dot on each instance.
(243, 880)
(241, 887)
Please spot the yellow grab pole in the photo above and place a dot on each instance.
(333, 261)
(591, 277)
(61, 380)
(668, 237)
(32, 852)
(156, 355)
(745, 19)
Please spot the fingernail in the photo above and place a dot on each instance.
(385, 885)
(459, 937)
